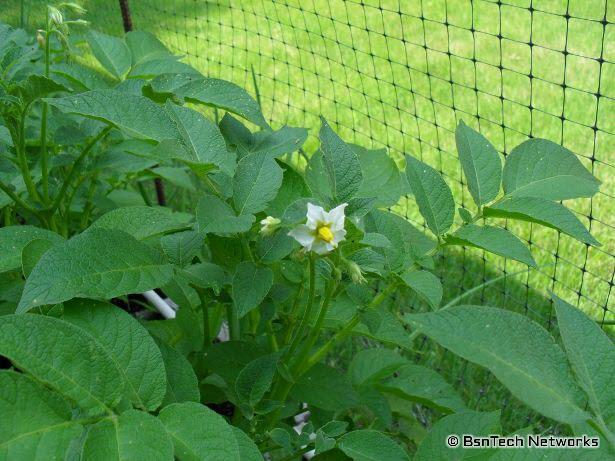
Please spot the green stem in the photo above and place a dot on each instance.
(292, 314)
(87, 209)
(473, 290)
(316, 329)
(211, 185)
(344, 332)
(281, 391)
(206, 321)
(307, 313)
(282, 387)
(44, 154)
(18, 201)
(246, 249)
(21, 156)
(601, 426)
(143, 193)
(74, 169)
(273, 342)
(233, 323)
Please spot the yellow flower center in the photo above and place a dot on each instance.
(324, 233)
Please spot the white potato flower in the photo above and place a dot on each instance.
(323, 231)
(269, 225)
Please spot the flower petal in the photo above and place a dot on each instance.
(338, 236)
(304, 235)
(337, 216)
(315, 214)
(321, 247)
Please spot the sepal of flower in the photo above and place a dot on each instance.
(269, 225)
(323, 230)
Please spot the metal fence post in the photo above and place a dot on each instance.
(127, 22)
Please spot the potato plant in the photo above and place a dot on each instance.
(202, 329)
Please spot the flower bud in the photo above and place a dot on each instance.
(269, 225)
(40, 38)
(74, 7)
(355, 272)
(55, 16)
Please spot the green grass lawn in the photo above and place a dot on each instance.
(401, 74)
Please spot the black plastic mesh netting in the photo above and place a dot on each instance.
(401, 74)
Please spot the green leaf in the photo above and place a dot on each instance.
(211, 92)
(36, 86)
(111, 52)
(426, 284)
(200, 433)
(592, 356)
(154, 67)
(216, 217)
(360, 206)
(32, 252)
(143, 221)
(471, 422)
(493, 239)
(544, 212)
(78, 77)
(541, 168)
(389, 329)
(36, 423)
(370, 445)
(423, 385)
(136, 115)
(376, 240)
(144, 46)
(201, 139)
(317, 179)
(182, 247)
(465, 215)
(341, 165)
(13, 239)
(129, 345)
(248, 451)
(325, 388)
(381, 176)
(254, 380)
(518, 351)
(100, 263)
(177, 176)
(275, 247)
(184, 332)
(182, 383)
(370, 365)
(251, 283)
(408, 244)
(293, 188)
(207, 275)
(52, 351)
(480, 162)
(256, 183)
(284, 141)
(131, 436)
(228, 358)
(432, 195)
